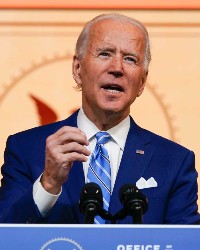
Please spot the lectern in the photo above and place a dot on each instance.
(99, 237)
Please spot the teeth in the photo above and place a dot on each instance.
(113, 91)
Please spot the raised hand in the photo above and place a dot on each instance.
(62, 149)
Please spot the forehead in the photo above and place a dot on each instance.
(115, 31)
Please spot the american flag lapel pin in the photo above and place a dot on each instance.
(139, 151)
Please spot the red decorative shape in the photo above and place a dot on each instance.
(45, 113)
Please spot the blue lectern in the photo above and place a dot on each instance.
(102, 237)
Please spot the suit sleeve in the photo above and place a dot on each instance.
(16, 192)
(182, 206)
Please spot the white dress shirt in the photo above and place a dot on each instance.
(115, 147)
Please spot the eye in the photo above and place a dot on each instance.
(104, 54)
(130, 59)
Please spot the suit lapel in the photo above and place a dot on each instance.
(135, 159)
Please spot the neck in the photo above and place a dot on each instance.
(105, 120)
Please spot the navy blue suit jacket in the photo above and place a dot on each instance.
(173, 201)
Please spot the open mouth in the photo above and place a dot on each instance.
(113, 88)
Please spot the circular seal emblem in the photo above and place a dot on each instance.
(61, 243)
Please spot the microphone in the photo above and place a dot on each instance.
(134, 202)
(91, 201)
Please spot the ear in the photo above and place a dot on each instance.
(142, 84)
(76, 70)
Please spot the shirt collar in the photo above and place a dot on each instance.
(118, 133)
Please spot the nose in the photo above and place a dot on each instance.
(116, 66)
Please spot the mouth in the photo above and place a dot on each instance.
(113, 88)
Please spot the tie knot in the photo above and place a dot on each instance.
(102, 137)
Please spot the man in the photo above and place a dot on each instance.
(46, 167)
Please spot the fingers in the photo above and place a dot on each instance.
(63, 147)
(68, 140)
(68, 134)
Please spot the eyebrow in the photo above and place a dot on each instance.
(110, 49)
(107, 48)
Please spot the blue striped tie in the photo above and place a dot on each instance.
(99, 170)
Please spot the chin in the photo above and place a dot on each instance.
(113, 110)
(114, 107)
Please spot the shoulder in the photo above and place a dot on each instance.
(165, 144)
(42, 132)
(169, 154)
(158, 143)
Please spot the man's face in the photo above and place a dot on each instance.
(111, 73)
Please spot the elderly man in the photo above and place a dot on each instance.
(46, 167)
